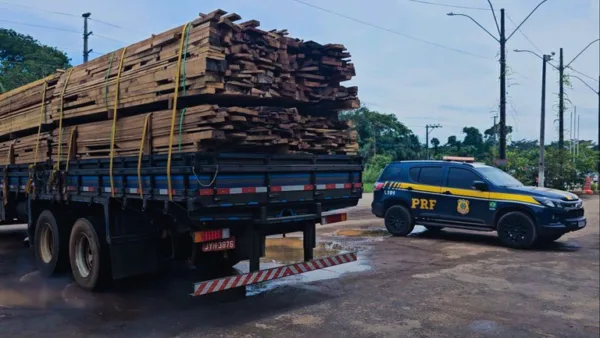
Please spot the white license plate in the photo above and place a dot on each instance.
(226, 244)
(581, 224)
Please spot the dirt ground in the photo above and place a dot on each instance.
(451, 284)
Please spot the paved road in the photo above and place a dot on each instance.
(427, 285)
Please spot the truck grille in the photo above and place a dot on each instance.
(575, 213)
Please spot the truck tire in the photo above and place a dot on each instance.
(50, 244)
(88, 254)
(398, 221)
(517, 230)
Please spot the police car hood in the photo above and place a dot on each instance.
(544, 192)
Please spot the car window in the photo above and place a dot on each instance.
(414, 174)
(391, 173)
(430, 176)
(462, 178)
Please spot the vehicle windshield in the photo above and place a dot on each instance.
(499, 177)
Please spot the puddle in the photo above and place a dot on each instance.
(362, 233)
(289, 250)
(419, 229)
(484, 327)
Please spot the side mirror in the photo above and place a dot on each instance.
(481, 186)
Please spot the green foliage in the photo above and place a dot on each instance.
(374, 167)
(24, 60)
(383, 139)
(383, 134)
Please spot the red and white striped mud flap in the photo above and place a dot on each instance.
(221, 284)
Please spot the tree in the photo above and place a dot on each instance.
(383, 134)
(435, 143)
(473, 138)
(24, 59)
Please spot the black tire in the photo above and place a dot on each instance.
(434, 229)
(517, 230)
(398, 221)
(547, 239)
(50, 244)
(88, 254)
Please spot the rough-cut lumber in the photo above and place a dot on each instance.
(203, 128)
(223, 63)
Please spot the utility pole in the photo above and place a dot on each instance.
(502, 40)
(545, 60)
(561, 104)
(577, 143)
(542, 165)
(502, 150)
(571, 130)
(427, 127)
(86, 34)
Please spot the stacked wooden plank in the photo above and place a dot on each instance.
(240, 87)
(20, 109)
(202, 128)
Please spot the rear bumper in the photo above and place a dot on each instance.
(563, 226)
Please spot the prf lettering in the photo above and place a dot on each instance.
(421, 203)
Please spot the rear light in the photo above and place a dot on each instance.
(210, 235)
(378, 186)
(336, 218)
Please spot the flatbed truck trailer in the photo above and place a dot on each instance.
(109, 219)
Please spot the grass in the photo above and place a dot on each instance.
(368, 187)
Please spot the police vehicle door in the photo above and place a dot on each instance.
(424, 190)
(460, 203)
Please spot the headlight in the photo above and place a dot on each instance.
(549, 202)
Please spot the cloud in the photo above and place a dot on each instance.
(419, 82)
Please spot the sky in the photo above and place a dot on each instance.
(412, 59)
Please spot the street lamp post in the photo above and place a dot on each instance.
(542, 165)
(501, 39)
(597, 92)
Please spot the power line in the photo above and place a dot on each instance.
(582, 74)
(111, 39)
(390, 30)
(450, 6)
(59, 29)
(60, 13)
(37, 9)
(525, 36)
(108, 24)
(40, 26)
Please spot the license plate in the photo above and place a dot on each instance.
(581, 224)
(226, 244)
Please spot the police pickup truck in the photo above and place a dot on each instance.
(473, 196)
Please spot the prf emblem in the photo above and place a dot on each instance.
(421, 203)
(462, 207)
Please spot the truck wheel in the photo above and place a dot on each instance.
(517, 230)
(398, 221)
(50, 245)
(88, 256)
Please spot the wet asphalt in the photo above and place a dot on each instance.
(448, 284)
